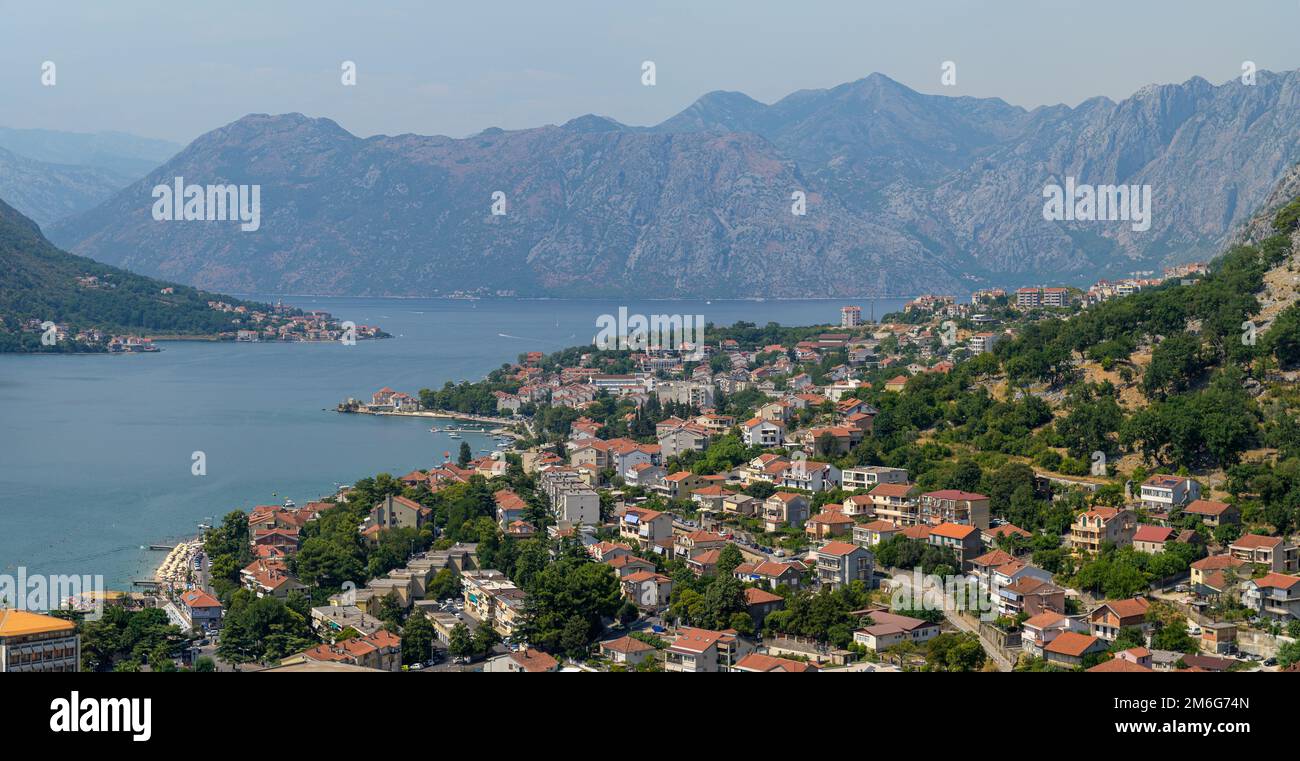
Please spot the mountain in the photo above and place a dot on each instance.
(46, 192)
(592, 209)
(49, 175)
(39, 282)
(906, 193)
(128, 156)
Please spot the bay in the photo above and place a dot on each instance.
(95, 450)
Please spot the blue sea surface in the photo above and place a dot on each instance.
(95, 450)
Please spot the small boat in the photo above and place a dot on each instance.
(289, 503)
(453, 435)
(434, 429)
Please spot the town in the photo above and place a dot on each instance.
(863, 496)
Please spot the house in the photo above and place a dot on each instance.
(399, 512)
(858, 505)
(1221, 564)
(1219, 637)
(1121, 665)
(758, 662)
(761, 602)
(809, 476)
(983, 566)
(896, 384)
(888, 629)
(691, 543)
(711, 498)
(1107, 619)
(645, 527)
(381, 650)
(1038, 631)
(769, 573)
(604, 552)
(626, 565)
(962, 539)
(704, 562)
(510, 507)
(896, 503)
(992, 536)
(739, 504)
(201, 610)
(955, 506)
(1140, 656)
(839, 563)
(783, 509)
(1273, 595)
(1030, 595)
(269, 577)
(1100, 525)
(827, 524)
(644, 474)
(679, 485)
(761, 432)
(1213, 513)
(1272, 552)
(647, 590)
(1151, 539)
(626, 650)
(704, 650)
(873, 533)
(1164, 493)
(522, 661)
(685, 438)
(1070, 648)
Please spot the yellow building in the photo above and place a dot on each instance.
(33, 642)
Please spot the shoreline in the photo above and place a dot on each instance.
(465, 416)
(174, 568)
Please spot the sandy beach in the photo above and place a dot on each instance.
(176, 569)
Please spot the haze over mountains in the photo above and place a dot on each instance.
(906, 193)
(48, 174)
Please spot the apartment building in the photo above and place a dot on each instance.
(31, 642)
(645, 527)
(869, 477)
(1272, 552)
(839, 563)
(955, 506)
(1273, 595)
(572, 499)
(896, 503)
(1162, 493)
(1099, 525)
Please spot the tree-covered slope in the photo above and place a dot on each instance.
(40, 282)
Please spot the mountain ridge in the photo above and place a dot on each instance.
(906, 192)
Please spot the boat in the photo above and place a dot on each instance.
(453, 435)
(289, 503)
(434, 429)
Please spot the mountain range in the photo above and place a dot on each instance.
(49, 174)
(905, 193)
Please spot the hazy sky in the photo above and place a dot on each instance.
(177, 69)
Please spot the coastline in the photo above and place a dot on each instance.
(175, 569)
